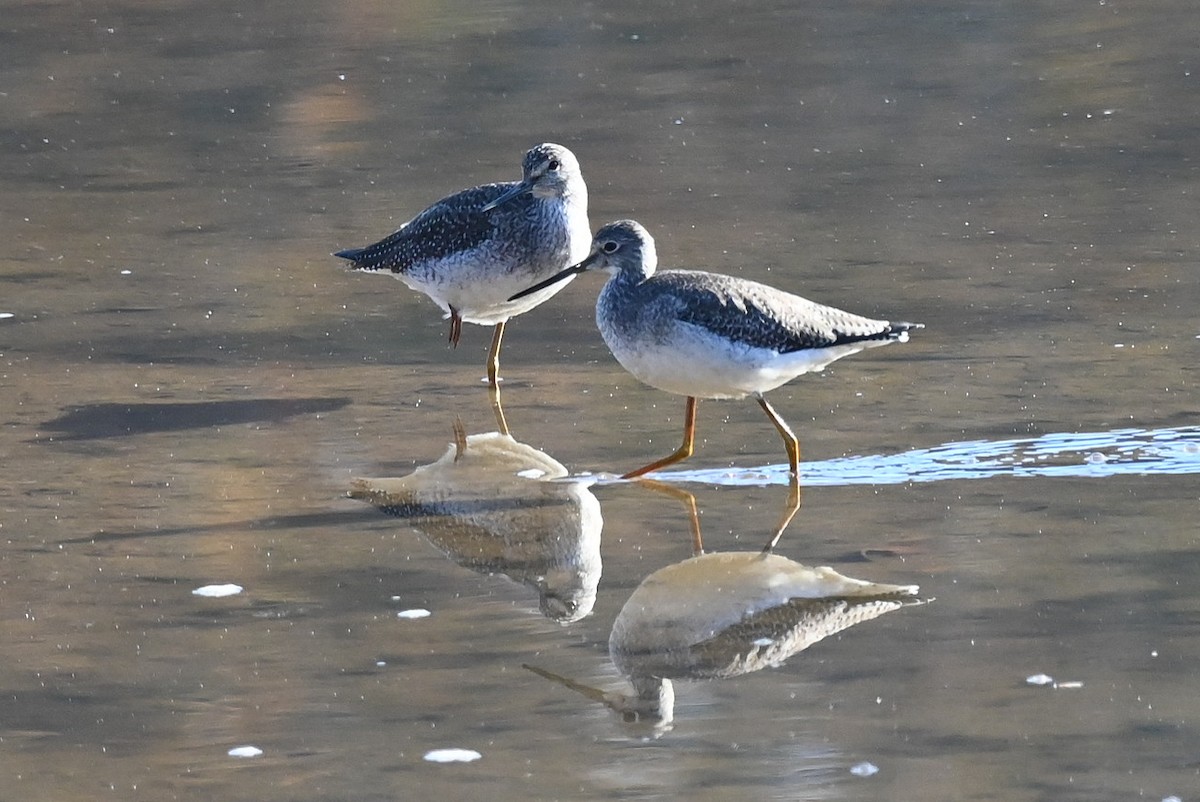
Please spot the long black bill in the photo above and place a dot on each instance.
(514, 191)
(557, 277)
(595, 694)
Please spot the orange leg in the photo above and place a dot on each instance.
(789, 438)
(460, 438)
(493, 363)
(789, 512)
(497, 410)
(455, 327)
(689, 501)
(683, 452)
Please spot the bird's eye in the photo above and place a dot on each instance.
(610, 247)
(553, 166)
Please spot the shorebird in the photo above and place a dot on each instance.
(707, 335)
(472, 250)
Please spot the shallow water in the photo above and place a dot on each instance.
(191, 387)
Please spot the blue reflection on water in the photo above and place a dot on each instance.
(1087, 454)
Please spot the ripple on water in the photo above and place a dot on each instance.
(1173, 451)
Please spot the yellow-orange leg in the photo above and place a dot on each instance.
(689, 501)
(789, 438)
(493, 363)
(455, 327)
(460, 438)
(497, 410)
(683, 452)
(789, 512)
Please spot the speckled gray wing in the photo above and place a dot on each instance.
(760, 316)
(452, 225)
(771, 636)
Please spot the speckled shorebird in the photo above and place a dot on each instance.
(471, 251)
(707, 335)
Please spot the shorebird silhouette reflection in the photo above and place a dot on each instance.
(489, 503)
(721, 615)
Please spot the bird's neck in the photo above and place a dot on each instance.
(576, 198)
(632, 275)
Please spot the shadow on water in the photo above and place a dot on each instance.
(299, 521)
(97, 421)
(490, 504)
(1127, 452)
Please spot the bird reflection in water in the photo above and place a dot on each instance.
(721, 615)
(496, 506)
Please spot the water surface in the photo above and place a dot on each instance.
(191, 386)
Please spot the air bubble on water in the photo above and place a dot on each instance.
(452, 755)
(218, 591)
(245, 751)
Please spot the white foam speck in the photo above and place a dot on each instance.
(414, 613)
(1046, 679)
(864, 769)
(245, 751)
(217, 591)
(6, 315)
(126, 272)
(452, 755)
(531, 473)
